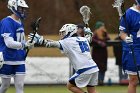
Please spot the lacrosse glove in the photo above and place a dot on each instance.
(129, 40)
(28, 45)
(88, 34)
(38, 39)
(88, 31)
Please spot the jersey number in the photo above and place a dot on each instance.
(83, 46)
(21, 37)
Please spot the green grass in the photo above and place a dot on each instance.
(62, 89)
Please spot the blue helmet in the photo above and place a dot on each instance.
(138, 2)
(14, 6)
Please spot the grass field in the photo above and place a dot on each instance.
(62, 89)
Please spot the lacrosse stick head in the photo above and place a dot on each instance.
(85, 12)
(35, 24)
(35, 27)
(119, 5)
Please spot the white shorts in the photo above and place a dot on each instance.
(85, 80)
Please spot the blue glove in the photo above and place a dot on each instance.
(38, 39)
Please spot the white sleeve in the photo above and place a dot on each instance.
(61, 44)
(64, 45)
(56, 44)
(51, 43)
(10, 43)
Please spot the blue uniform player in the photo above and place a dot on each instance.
(12, 46)
(130, 25)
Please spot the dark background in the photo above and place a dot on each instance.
(56, 13)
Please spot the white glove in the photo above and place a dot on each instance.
(28, 44)
(37, 39)
(128, 39)
(88, 31)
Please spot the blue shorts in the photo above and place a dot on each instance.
(11, 70)
(128, 61)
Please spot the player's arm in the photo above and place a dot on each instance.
(123, 35)
(88, 34)
(46, 42)
(7, 34)
(10, 43)
(51, 43)
(124, 31)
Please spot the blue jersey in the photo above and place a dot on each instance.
(131, 25)
(16, 31)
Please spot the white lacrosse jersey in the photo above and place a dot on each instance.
(77, 49)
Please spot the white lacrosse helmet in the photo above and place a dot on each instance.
(14, 4)
(68, 30)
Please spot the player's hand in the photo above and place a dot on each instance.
(88, 31)
(38, 39)
(129, 39)
(29, 44)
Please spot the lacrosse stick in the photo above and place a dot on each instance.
(85, 12)
(119, 4)
(35, 27)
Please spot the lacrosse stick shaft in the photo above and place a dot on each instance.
(86, 25)
(27, 51)
(35, 27)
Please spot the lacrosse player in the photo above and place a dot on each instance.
(12, 46)
(78, 51)
(131, 25)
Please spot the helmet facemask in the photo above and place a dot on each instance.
(18, 7)
(67, 30)
(62, 34)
